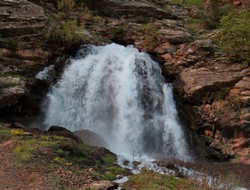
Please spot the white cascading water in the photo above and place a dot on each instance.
(120, 94)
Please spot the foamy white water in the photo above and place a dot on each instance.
(120, 94)
(45, 73)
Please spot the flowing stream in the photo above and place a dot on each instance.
(120, 94)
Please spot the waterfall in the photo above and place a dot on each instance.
(120, 94)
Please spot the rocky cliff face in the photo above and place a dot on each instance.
(213, 94)
(217, 94)
(20, 17)
(21, 54)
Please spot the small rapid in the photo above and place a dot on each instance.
(120, 94)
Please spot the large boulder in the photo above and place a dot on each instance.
(10, 96)
(61, 131)
(195, 54)
(99, 185)
(11, 90)
(90, 138)
(141, 11)
(198, 82)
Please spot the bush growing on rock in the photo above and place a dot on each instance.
(66, 5)
(234, 35)
(187, 3)
(213, 12)
(64, 33)
(67, 25)
(149, 31)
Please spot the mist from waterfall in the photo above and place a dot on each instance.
(120, 94)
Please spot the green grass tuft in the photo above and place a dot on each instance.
(149, 180)
(188, 3)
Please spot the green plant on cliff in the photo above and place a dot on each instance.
(204, 14)
(149, 31)
(234, 35)
(25, 151)
(66, 5)
(29, 147)
(4, 134)
(213, 12)
(188, 3)
(64, 33)
(118, 31)
(66, 26)
(112, 172)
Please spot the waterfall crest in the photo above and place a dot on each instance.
(120, 94)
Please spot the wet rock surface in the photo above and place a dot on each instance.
(61, 131)
(91, 138)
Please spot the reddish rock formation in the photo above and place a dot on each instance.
(198, 83)
(217, 94)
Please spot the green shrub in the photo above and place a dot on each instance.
(16, 131)
(188, 3)
(27, 147)
(109, 159)
(72, 5)
(109, 177)
(25, 151)
(66, 5)
(119, 31)
(149, 31)
(67, 26)
(117, 170)
(4, 134)
(204, 15)
(234, 35)
(149, 180)
(62, 161)
(64, 33)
